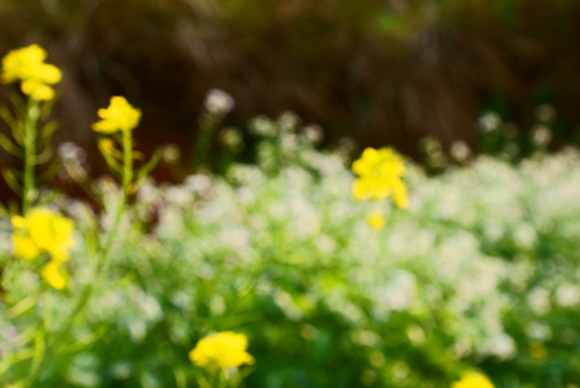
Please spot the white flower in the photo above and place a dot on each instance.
(218, 102)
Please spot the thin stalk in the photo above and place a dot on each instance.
(126, 185)
(104, 253)
(127, 163)
(104, 256)
(30, 134)
(204, 140)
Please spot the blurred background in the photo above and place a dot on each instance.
(496, 76)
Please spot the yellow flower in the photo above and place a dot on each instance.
(24, 247)
(221, 350)
(119, 116)
(42, 230)
(106, 146)
(37, 90)
(27, 65)
(50, 273)
(473, 380)
(380, 174)
(376, 221)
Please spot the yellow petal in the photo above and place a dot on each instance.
(18, 222)
(43, 93)
(37, 90)
(473, 380)
(400, 197)
(24, 247)
(118, 116)
(221, 350)
(59, 255)
(105, 127)
(106, 146)
(50, 273)
(48, 74)
(360, 190)
(40, 227)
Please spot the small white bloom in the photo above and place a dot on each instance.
(219, 102)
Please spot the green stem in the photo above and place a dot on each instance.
(203, 142)
(30, 134)
(127, 178)
(127, 163)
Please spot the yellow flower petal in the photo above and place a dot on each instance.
(119, 116)
(379, 176)
(44, 93)
(40, 227)
(59, 255)
(400, 196)
(222, 350)
(50, 273)
(360, 190)
(473, 380)
(21, 63)
(365, 165)
(24, 248)
(44, 230)
(48, 74)
(27, 65)
(18, 222)
(106, 146)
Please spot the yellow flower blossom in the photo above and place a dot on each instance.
(42, 230)
(37, 90)
(51, 274)
(221, 351)
(473, 380)
(380, 173)
(24, 247)
(376, 221)
(106, 146)
(119, 116)
(27, 65)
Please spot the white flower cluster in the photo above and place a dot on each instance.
(468, 244)
(483, 263)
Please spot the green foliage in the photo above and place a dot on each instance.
(480, 272)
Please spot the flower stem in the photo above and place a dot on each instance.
(127, 163)
(30, 134)
(103, 257)
(104, 254)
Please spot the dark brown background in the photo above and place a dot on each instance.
(383, 72)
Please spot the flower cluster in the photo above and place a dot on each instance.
(27, 65)
(380, 173)
(44, 231)
(119, 116)
(473, 380)
(224, 350)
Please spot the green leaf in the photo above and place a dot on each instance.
(146, 169)
(21, 307)
(10, 147)
(43, 157)
(48, 107)
(51, 172)
(8, 117)
(17, 102)
(11, 180)
(48, 130)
